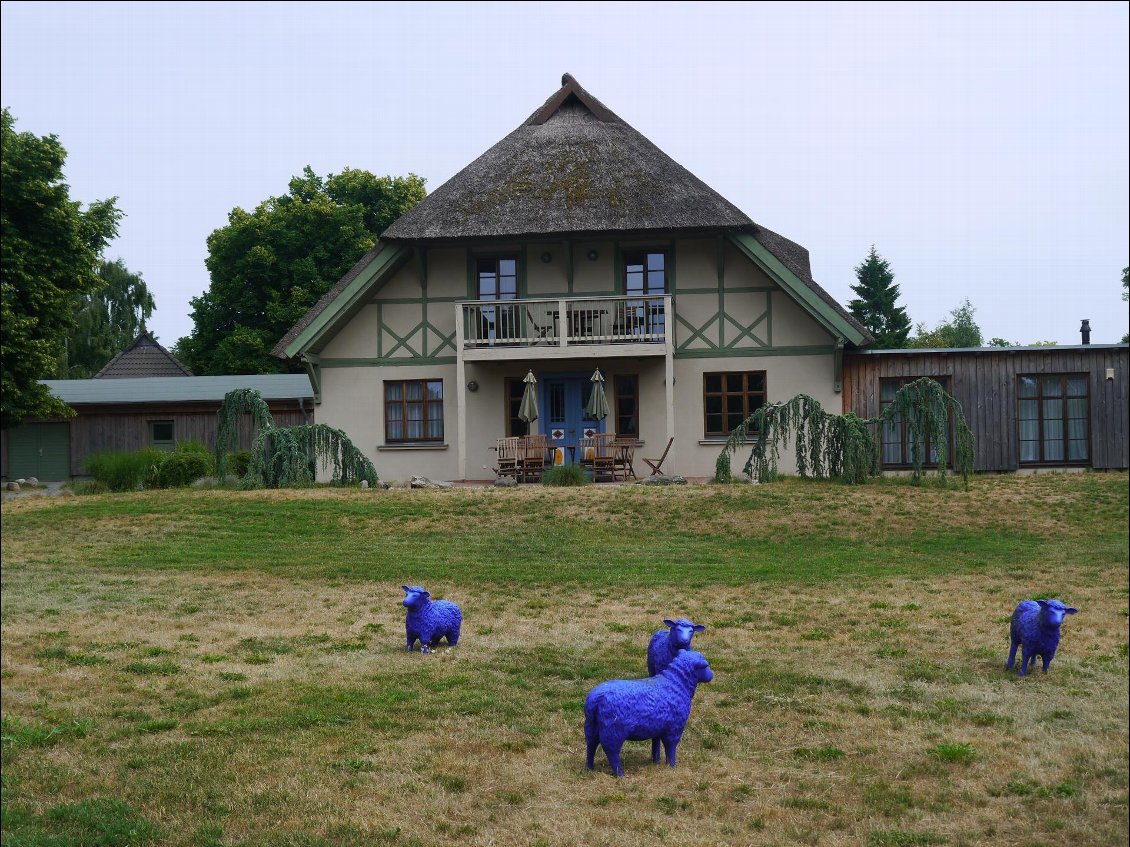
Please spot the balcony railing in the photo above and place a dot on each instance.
(565, 322)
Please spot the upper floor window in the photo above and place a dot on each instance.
(497, 277)
(1053, 418)
(645, 272)
(897, 446)
(414, 410)
(730, 398)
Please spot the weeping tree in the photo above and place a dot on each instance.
(290, 455)
(836, 446)
(843, 446)
(287, 455)
(236, 404)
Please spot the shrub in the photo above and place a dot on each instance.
(188, 463)
(565, 475)
(122, 470)
(239, 462)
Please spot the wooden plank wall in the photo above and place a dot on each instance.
(984, 382)
(110, 428)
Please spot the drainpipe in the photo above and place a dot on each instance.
(302, 407)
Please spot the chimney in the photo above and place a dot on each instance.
(1085, 329)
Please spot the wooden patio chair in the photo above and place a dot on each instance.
(625, 450)
(531, 457)
(656, 465)
(508, 449)
(603, 456)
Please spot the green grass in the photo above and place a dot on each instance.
(643, 537)
(228, 668)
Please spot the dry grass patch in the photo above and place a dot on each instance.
(869, 710)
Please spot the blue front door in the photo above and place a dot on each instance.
(564, 399)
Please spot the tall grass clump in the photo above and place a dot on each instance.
(122, 470)
(565, 475)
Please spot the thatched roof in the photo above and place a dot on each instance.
(145, 357)
(573, 167)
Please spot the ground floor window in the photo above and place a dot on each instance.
(730, 398)
(161, 435)
(1053, 418)
(627, 389)
(414, 410)
(515, 388)
(897, 447)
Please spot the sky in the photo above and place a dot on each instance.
(981, 148)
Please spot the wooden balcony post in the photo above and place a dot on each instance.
(562, 324)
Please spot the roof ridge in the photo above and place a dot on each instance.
(571, 88)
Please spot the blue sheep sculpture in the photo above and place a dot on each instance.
(430, 620)
(1035, 629)
(640, 709)
(666, 644)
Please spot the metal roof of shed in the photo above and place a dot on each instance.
(174, 389)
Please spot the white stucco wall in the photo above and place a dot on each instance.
(352, 397)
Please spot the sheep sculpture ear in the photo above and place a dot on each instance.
(1070, 611)
(699, 627)
(1043, 603)
(405, 587)
(667, 622)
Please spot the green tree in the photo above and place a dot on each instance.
(960, 330)
(48, 256)
(1126, 295)
(269, 266)
(106, 321)
(875, 304)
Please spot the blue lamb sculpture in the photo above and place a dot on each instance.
(1035, 628)
(638, 709)
(668, 643)
(665, 645)
(430, 620)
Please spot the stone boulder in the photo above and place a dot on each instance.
(663, 479)
(424, 482)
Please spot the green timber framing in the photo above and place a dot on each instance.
(361, 290)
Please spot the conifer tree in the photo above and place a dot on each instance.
(876, 304)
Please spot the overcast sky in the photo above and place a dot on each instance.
(981, 148)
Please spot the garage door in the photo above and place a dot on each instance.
(42, 450)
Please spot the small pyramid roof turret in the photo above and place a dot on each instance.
(144, 357)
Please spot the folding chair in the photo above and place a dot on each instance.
(507, 457)
(531, 457)
(603, 456)
(657, 464)
(625, 450)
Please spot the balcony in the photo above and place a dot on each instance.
(564, 327)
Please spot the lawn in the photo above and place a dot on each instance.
(218, 667)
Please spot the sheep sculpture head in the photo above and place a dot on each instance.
(682, 631)
(415, 596)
